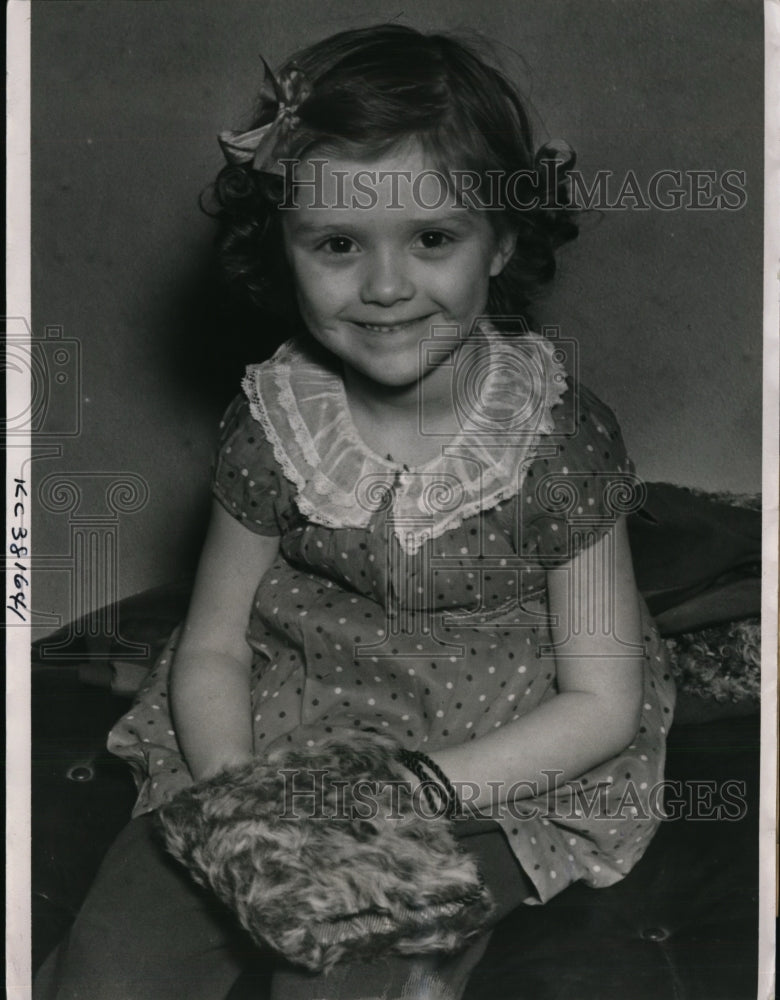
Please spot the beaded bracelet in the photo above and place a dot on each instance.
(417, 762)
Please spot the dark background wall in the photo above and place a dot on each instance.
(127, 99)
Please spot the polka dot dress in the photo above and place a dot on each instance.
(439, 647)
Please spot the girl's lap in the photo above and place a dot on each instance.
(595, 828)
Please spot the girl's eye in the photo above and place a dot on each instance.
(338, 245)
(434, 239)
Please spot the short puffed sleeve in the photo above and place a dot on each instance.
(580, 483)
(246, 479)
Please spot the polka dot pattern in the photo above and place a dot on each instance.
(440, 647)
(250, 496)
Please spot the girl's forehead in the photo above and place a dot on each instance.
(405, 156)
(404, 181)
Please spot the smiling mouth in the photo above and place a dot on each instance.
(390, 327)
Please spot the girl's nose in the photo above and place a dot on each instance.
(386, 279)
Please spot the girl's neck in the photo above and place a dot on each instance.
(380, 401)
(388, 418)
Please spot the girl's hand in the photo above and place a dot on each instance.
(210, 676)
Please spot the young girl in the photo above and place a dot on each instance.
(419, 523)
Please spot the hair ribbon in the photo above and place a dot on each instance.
(261, 147)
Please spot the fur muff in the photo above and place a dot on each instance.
(324, 853)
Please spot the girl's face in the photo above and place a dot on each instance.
(380, 254)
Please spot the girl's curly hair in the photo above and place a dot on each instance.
(374, 89)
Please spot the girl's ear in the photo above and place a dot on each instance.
(506, 243)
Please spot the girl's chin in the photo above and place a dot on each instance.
(387, 376)
(384, 361)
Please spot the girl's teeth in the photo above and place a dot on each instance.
(384, 328)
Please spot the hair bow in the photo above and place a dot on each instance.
(262, 146)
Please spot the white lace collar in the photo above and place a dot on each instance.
(505, 391)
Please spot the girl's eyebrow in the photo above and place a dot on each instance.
(457, 217)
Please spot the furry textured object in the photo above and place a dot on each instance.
(722, 662)
(324, 853)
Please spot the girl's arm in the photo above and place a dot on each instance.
(596, 713)
(210, 689)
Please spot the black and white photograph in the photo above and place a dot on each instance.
(391, 500)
